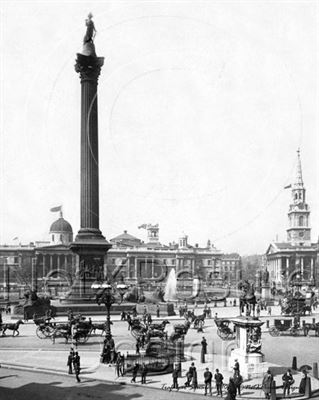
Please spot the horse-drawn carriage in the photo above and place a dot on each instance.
(224, 331)
(287, 327)
(77, 329)
(297, 303)
(196, 320)
(45, 327)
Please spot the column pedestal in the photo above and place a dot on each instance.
(248, 354)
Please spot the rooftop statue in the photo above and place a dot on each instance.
(88, 40)
(90, 30)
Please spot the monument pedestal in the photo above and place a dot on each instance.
(248, 353)
(90, 268)
(251, 364)
(265, 292)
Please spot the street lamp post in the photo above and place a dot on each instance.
(105, 293)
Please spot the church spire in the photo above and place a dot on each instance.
(298, 232)
(298, 178)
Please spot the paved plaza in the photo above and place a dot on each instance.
(29, 353)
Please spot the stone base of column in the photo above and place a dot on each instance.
(91, 247)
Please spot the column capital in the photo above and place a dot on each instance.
(89, 67)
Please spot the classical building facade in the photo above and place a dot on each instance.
(51, 266)
(295, 260)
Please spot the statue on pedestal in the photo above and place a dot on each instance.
(90, 30)
(265, 277)
(247, 298)
(88, 40)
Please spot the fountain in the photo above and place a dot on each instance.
(170, 288)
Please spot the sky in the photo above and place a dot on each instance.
(202, 107)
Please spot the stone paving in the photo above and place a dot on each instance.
(54, 361)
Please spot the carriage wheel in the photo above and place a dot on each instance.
(294, 331)
(274, 331)
(48, 331)
(40, 333)
(82, 339)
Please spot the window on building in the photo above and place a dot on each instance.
(173, 261)
(61, 238)
(52, 238)
(301, 220)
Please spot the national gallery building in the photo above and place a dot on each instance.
(51, 266)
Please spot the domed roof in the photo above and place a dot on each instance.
(61, 226)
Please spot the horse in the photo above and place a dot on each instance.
(198, 320)
(99, 327)
(247, 298)
(14, 327)
(161, 326)
(311, 327)
(61, 331)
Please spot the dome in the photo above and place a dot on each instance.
(61, 226)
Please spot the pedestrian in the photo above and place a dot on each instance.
(123, 316)
(189, 374)
(288, 381)
(236, 366)
(129, 321)
(266, 384)
(219, 382)
(258, 310)
(122, 364)
(216, 316)
(158, 311)
(231, 390)
(208, 376)
(134, 372)
(143, 373)
(118, 365)
(70, 362)
(149, 319)
(203, 350)
(238, 380)
(137, 346)
(269, 310)
(175, 378)
(302, 385)
(194, 379)
(77, 366)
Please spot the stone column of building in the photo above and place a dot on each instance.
(89, 243)
(312, 277)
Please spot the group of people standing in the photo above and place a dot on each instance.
(74, 364)
(233, 386)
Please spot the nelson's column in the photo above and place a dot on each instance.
(89, 244)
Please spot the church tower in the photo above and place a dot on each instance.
(298, 233)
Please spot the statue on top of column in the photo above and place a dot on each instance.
(90, 30)
(88, 40)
